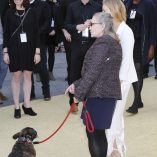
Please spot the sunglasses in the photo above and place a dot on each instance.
(94, 23)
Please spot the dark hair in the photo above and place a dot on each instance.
(25, 3)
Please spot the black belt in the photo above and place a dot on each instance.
(86, 41)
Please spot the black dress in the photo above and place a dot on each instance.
(21, 54)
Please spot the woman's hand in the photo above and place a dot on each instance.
(87, 23)
(52, 33)
(75, 100)
(37, 57)
(151, 53)
(70, 89)
(81, 27)
(6, 58)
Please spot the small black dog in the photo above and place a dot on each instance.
(24, 146)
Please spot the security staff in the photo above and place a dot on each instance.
(66, 37)
(77, 23)
(44, 18)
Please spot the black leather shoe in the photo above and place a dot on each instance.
(145, 76)
(29, 111)
(17, 113)
(155, 76)
(47, 98)
(32, 97)
(132, 110)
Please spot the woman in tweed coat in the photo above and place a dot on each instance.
(100, 84)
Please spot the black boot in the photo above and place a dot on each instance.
(140, 104)
(29, 111)
(132, 109)
(17, 113)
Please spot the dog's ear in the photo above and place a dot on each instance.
(17, 135)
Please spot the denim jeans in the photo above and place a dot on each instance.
(3, 68)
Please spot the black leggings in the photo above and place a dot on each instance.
(97, 143)
(137, 86)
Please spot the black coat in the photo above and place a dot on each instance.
(147, 9)
(4, 5)
(43, 14)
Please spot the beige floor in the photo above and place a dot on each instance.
(141, 129)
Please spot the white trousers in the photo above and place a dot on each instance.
(116, 131)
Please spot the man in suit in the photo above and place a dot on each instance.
(77, 23)
(44, 19)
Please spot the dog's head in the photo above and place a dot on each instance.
(28, 133)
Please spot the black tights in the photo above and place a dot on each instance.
(97, 143)
(137, 86)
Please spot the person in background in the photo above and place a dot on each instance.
(99, 84)
(52, 37)
(127, 75)
(3, 7)
(155, 52)
(141, 18)
(66, 36)
(21, 50)
(3, 66)
(77, 23)
(43, 15)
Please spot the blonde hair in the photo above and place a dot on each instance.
(117, 9)
(107, 22)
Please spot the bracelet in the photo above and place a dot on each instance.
(37, 53)
(5, 52)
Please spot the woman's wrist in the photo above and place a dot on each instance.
(37, 53)
(5, 52)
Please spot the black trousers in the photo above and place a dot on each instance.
(41, 68)
(155, 58)
(67, 46)
(78, 52)
(97, 143)
(51, 57)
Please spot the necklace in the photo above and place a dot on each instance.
(16, 13)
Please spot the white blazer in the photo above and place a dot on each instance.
(127, 69)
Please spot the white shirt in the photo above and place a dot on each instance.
(127, 69)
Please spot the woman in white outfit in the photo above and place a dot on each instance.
(115, 135)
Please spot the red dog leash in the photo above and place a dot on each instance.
(89, 124)
(88, 120)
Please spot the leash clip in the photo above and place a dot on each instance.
(88, 120)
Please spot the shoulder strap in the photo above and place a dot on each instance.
(20, 23)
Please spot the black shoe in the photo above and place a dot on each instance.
(145, 76)
(155, 76)
(140, 105)
(32, 97)
(29, 111)
(17, 113)
(132, 110)
(48, 98)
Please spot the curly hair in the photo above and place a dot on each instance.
(25, 3)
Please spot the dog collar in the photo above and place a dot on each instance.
(24, 139)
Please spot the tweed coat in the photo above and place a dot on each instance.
(100, 71)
